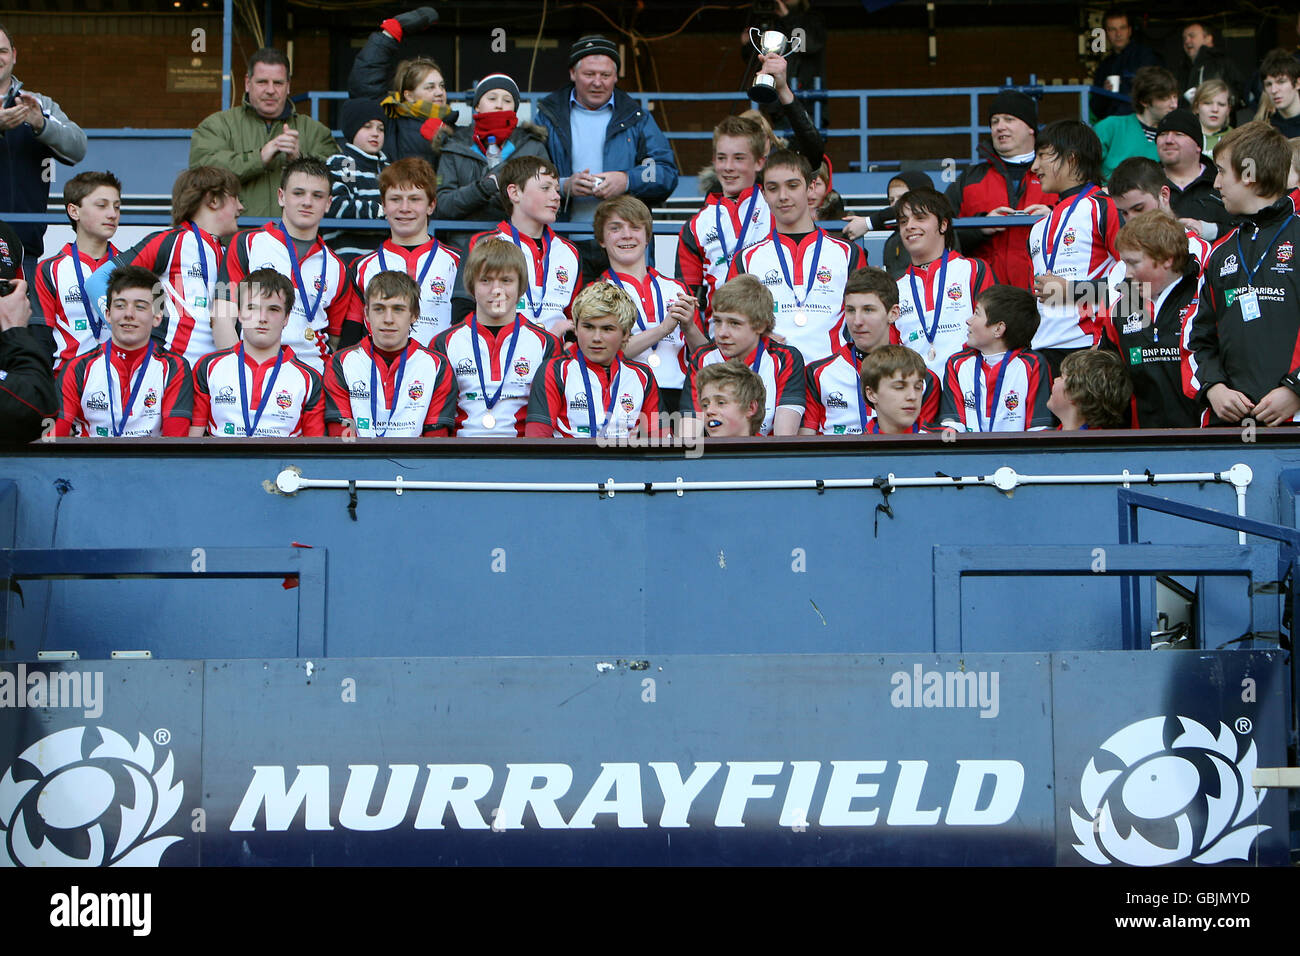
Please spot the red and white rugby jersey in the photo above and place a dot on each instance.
(1009, 395)
(623, 400)
(502, 371)
(806, 280)
(65, 305)
(295, 406)
(360, 386)
(324, 279)
(714, 235)
(933, 295)
(187, 260)
(1075, 242)
(652, 296)
(779, 366)
(433, 266)
(835, 402)
(97, 399)
(554, 278)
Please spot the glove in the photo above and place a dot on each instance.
(413, 21)
(429, 128)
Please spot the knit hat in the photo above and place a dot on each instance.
(356, 114)
(1017, 104)
(594, 45)
(1185, 122)
(915, 179)
(495, 81)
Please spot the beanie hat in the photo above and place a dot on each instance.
(495, 81)
(594, 45)
(356, 114)
(1017, 104)
(915, 179)
(1185, 122)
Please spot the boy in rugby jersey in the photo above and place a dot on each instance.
(129, 387)
(496, 352)
(1076, 242)
(388, 385)
(732, 221)
(1092, 391)
(732, 398)
(893, 382)
(595, 392)
(186, 258)
(93, 202)
(802, 266)
(667, 323)
(323, 294)
(937, 293)
(259, 389)
(530, 189)
(409, 189)
(742, 329)
(835, 404)
(997, 384)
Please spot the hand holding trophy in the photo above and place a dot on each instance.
(770, 43)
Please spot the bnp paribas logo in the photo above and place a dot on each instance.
(86, 797)
(1159, 793)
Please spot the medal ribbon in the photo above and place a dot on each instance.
(297, 274)
(374, 387)
(655, 296)
(997, 389)
(135, 389)
(433, 251)
(812, 270)
(266, 390)
(478, 361)
(933, 332)
(536, 310)
(1049, 257)
(96, 323)
(606, 407)
(740, 229)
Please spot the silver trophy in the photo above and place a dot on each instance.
(770, 41)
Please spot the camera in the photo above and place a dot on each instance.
(6, 287)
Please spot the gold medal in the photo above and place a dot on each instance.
(489, 420)
(653, 360)
(933, 354)
(800, 319)
(309, 335)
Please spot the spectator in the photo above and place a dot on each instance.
(355, 191)
(185, 258)
(1212, 105)
(468, 185)
(1280, 104)
(601, 141)
(1203, 61)
(1120, 66)
(894, 256)
(1155, 93)
(1138, 185)
(1076, 243)
(1092, 391)
(413, 93)
(1246, 328)
(1003, 184)
(1194, 199)
(732, 398)
(259, 138)
(33, 131)
(28, 400)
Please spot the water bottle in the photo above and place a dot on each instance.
(493, 153)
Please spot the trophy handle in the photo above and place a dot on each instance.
(796, 43)
(756, 43)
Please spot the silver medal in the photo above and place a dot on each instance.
(932, 354)
(489, 420)
(653, 360)
(800, 319)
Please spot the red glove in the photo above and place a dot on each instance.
(429, 128)
(393, 29)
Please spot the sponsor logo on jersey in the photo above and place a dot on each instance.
(225, 396)
(80, 325)
(711, 236)
(561, 275)
(1132, 324)
(968, 399)
(1229, 266)
(98, 402)
(823, 275)
(465, 367)
(772, 277)
(72, 295)
(1135, 356)
(283, 398)
(4, 249)
(1012, 401)
(1034, 247)
(228, 428)
(626, 401)
(522, 366)
(954, 291)
(359, 389)
(416, 390)
(1068, 238)
(836, 400)
(195, 271)
(151, 398)
(1268, 293)
(579, 401)
(1284, 252)
(438, 286)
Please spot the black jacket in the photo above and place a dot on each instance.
(371, 78)
(1210, 64)
(27, 394)
(1200, 200)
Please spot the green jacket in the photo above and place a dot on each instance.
(234, 139)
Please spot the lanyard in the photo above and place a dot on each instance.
(419, 281)
(875, 428)
(758, 357)
(267, 387)
(1250, 271)
(478, 361)
(96, 324)
(933, 331)
(655, 295)
(536, 310)
(997, 389)
(741, 230)
(203, 256)
(297, 275)
(812, 271)
(117, 430)
(1049, 257)
(606, 407)
(374, 387)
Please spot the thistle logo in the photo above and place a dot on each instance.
(61, 805)
(1155, 804)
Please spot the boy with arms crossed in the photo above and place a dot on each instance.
(594, 392)
(259, 388)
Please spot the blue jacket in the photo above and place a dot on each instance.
(632, 141)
